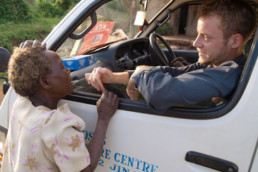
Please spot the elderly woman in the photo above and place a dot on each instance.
(42, 136)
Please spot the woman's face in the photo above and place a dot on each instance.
(59, 79)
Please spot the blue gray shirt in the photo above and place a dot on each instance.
(163, 87)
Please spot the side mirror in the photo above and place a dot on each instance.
(4, 58)
(6, 84)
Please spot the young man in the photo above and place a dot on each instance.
(223, 27)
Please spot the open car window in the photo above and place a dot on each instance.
(180, 30)
(115, 22)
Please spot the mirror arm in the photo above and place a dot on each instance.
(144, 4)
(6, 84)
(83, 33)
(160, 23)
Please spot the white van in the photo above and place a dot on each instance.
(189, 138)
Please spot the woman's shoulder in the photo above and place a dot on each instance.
(64, 118)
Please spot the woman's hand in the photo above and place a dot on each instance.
(107, 105)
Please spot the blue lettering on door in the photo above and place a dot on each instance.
(122, 162)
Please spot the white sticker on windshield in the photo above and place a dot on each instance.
(140, 17)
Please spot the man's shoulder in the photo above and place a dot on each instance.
(238, 62)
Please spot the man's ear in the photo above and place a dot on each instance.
(236, 40)
(43, 82)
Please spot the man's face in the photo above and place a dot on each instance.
(213, 48)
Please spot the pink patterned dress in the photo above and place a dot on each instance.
(40, 139)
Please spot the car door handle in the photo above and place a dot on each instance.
(211, 162)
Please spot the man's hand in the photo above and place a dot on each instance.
(179, 62)
(133, 92)
(99, 76)
(33, 44)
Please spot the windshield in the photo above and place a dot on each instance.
(116, 21)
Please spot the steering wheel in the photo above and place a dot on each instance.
(163, 59)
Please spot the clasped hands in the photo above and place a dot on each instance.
(101, 75)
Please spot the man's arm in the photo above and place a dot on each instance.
(133, 92)
(101, 75)
(161, 90)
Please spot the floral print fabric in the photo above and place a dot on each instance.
(40, 139)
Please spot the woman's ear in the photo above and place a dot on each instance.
(43, 82)
(236, 40)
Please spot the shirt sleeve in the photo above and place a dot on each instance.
(64, 141)
(165, 87)
(175, 71)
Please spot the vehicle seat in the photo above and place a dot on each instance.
(248, 46)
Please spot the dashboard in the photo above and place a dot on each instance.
(131, 53)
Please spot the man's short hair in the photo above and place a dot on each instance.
(237, 16)
(24, 69)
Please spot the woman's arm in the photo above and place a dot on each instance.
(106, 107)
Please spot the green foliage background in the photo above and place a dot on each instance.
(14, 11)
(13, 34)
(20, 20)
(54, 8)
